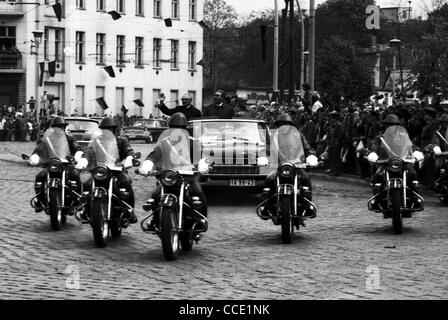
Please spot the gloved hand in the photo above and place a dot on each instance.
(203, 165)
(34, 160)
(437, 150)
(81, 164)
(418, 155)
(128, 162)
(312, 161)
(146, 167)
(372, 157)
(78, 156)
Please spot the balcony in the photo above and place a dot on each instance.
(11, 63)
(8, 10)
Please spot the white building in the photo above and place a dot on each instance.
(147, 56)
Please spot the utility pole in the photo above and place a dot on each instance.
(302, 45)
(311, 44)
(37, 68)
(292, 60)
(275, 72)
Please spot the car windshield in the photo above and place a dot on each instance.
(395, 143)
(150, 124)
(210, 132)
(75, 125)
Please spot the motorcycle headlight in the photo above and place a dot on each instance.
(55, 166)
(286, 171)
(100, 173)
(169, 178)
(395, 165)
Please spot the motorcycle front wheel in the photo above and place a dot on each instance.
(287, 226)
(56, 219)
(397, 218)
(100, 225)
(169, 236)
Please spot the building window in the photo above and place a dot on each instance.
(100, 5)
(155, 95)
(139, 10)
(192, 13)
(175, 9)
(174, 96)
(193, 95)
(119, 99)
(80, 4)
(80, 47)
(174, 54)
(138, 94)
(58, 45)
(100, 91)
(120, 50)
(157, 52)
(120, 6)
(191, 55)
(139, 51)
(80, 100)
(157, 8)
(100, 48)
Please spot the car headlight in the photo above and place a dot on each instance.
(262, 162)
(169, 178)
(286, 171)
(100, 173)
(55, 166)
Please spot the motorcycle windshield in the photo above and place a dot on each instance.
(286, 146)
(55, 145)
(396, 143)
(103, 150)
(174, 146)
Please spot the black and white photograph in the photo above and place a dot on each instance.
(224, 155)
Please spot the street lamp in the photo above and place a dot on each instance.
(396, 43)
(37, 35)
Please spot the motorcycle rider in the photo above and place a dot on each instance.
(377, 180)
(285, 123)
(439, 144)
(155, 159)
(124, 181)
(73, 173)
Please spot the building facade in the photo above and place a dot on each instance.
(151, 47)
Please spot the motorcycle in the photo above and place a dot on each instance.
(395, 196)
(61, 199)
(441, 184)
(108, 213)
(180, 222)
(292, 204)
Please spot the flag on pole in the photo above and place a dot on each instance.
(102, 103)
(138, 102)
(168, 22)
(124, 109)
(115, 15)
(52, 68)
(110, 71)
(42, 69)
(58, 11)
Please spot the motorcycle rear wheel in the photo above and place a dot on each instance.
(56, 219)
(100, 226)
(397, 218)
(170, 237)
(287, 226)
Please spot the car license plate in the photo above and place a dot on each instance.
(242, 183)
(131, 136)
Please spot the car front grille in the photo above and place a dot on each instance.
(235, 169)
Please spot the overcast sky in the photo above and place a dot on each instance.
(246, 6)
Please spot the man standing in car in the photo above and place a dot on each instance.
(186, 108)
(219, 109)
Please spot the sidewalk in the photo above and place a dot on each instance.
(12, 151)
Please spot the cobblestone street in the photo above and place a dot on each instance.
(240, 257)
